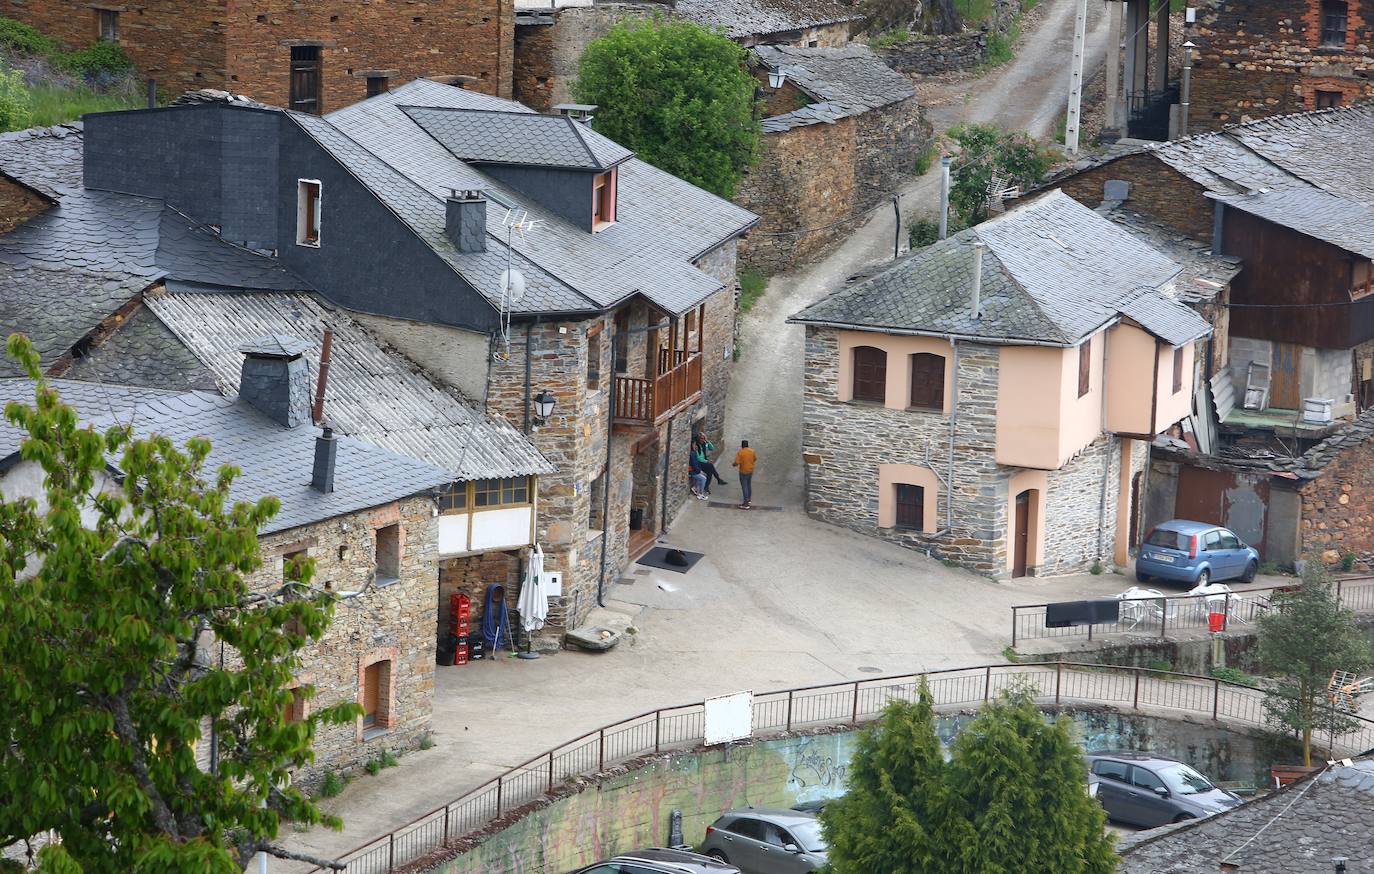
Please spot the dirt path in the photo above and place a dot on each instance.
(1028, 93)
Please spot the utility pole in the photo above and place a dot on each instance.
(944, 197)
(1080, 37)
(1185, 104)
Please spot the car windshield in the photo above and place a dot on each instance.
(809, 833)
(1184, 780)
(1168, 539)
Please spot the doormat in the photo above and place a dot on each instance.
(658, 557)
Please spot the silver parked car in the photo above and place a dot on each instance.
(1147, 791)
(767, 841)
(659, 860)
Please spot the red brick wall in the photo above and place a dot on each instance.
(239, 44)
(1157, 190)
(17, 205)
(1258, 58)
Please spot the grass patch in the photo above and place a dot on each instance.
(925, 159)
(752, 284)
(53, 104)
(1272, 568)
(427, 742)
(949, 562)
(1001, 48)
(973, 11)
(890, 39)
(388, 759)
(1236, 675)
(1160, 665)
(1096, 569)
(1011, 655)
(332, 784)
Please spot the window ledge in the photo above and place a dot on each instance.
(375, 732)
(933, 410)
(594, 534)
(308, 244)
(859, 402)
(382, 582)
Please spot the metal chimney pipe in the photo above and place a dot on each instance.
(152, 94)
(323, 382)
(326, 451)
(978, 247)
(944, 197)
(1186, 102)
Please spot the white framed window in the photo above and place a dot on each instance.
(308, 212)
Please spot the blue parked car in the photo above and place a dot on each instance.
(1196, 553)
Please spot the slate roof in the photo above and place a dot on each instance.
(845, 81)
(1203, 275)
(1053, 272)
(504, 137)
(374, 393)
(741, 19)
(1336, 220)
(46, 159)
(89, 399)
(663, 223)
(57, 308)
(274, 460)
(143, 351)
(1295, 830)
(1309, 465)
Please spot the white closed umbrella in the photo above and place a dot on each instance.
(534, 603)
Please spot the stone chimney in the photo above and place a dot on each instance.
(465, 220)
(275, 379)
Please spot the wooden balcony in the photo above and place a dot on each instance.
(651, 401)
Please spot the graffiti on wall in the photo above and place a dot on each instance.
(819, 767)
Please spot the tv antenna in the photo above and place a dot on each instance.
(512, 280)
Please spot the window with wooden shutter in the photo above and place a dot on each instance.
(107, 25)
(1178, 370)
(376, 694)
(911, 502)
(1085, 366)
(928, 381)
(307, 212)
(305, 79)
(870, 374)
(1328, 99)
(603, 199)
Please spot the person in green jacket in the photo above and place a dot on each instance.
(701, 449)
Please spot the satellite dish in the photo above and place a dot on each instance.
(512, 285)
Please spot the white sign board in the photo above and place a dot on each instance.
(729, 718)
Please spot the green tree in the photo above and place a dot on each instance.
(16, 104)
(114, 601)
(890, 819)
(984, 151)
(1021, 789)
(678, 95)
(1301, 644)
(1012, 798)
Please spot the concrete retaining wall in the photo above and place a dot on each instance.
(631, 809)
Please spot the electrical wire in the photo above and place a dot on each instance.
(1312, 781)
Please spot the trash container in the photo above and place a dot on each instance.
(1216, 622)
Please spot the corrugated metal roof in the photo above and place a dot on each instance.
(375, 393)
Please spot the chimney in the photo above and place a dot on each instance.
(275, 379)
(579, 112)
(978, 247)
(466, 220)
(326, 450)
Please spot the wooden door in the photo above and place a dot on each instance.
(1133, 528)
(372, 676)
(1285, 388)
(1021, 535)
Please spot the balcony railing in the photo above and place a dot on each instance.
(649, 401)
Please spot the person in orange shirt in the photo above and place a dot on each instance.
(745, 460)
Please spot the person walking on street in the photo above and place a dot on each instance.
(745, 460)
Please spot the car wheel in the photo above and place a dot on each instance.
(1250, 570)
(1142, 577)
(718, 856)
(1184, 817)
(1203, 578)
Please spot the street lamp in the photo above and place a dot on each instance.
(543, 407)
(777, 78)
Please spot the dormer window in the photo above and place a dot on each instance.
(603, 199)
(308, 212)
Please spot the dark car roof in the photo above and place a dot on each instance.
(678, 860)
(1135, 756)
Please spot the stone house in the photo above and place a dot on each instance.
(991, 398)
(618, 305)
(312, 57)
(125, 290)
(551, 36)
(1257, 58)
(843, 132)
(364, 514)
(1289, 198)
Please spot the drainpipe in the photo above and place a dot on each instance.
(663, 488)
(977, 300)
(529, 330)
(1106, 456)
(953, 419)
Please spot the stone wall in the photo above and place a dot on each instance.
(471, 575)
(630, 809)
(1157, 190)
(395, 621)
(811, 177)
(547, 55)
(1264, 57)
(1074, 506)
(245, 46)
(932, 55)
(854, 438)
(1338, 507)
(18, 204)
